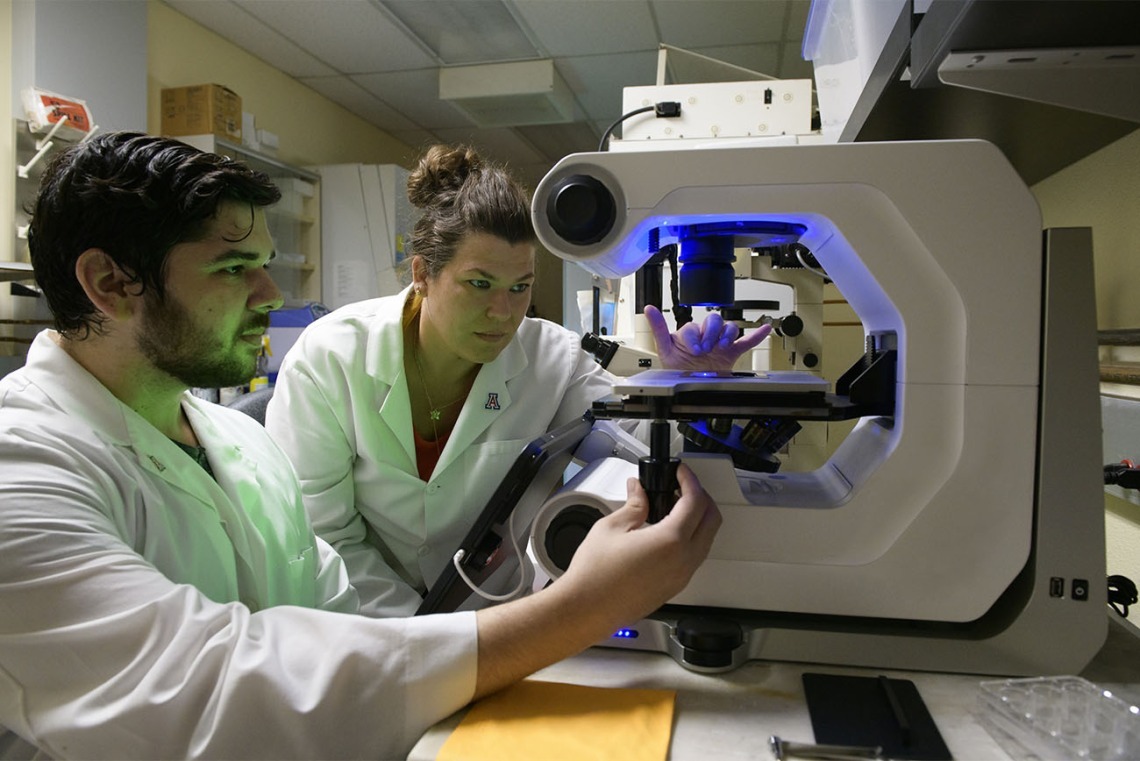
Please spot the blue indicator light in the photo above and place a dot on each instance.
(626, 634)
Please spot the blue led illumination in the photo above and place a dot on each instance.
(626, 256)
(626, 634)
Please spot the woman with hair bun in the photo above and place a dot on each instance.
(403, 414)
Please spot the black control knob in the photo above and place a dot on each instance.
(581, 209)
(709, 642)
(791, 326)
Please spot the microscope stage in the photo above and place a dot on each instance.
(674, 382)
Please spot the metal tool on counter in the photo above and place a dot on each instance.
(782, 749)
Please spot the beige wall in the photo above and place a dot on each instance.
(8, 249)
(1103, 192)
(311, 128)
(7, 135)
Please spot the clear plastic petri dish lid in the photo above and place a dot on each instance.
(1059, 718)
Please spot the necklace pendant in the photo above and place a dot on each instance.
(434, 414)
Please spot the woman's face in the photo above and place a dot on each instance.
(473, 307)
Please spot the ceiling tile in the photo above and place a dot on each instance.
(798, 11)
(794, 66)
(743, 63)
(557, 140)
(418, 139)
(343, 91)
(597, 81)
(252, 35)
(352, 36)
(689, 24)
(416, 95)
(591, 27)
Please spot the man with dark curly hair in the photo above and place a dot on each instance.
(162, 593)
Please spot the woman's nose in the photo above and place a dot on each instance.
(499, 305)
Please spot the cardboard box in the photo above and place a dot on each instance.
(201, 110)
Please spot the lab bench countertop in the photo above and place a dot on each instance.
(732, 715)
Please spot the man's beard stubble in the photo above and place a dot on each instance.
(178, 346)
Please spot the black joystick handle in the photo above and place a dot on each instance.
(659, 479)
(658, 471)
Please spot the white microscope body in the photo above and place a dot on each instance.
(962, 530)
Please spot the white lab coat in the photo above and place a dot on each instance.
(149, 611)
(341, 411)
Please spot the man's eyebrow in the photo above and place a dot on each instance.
(240, 255)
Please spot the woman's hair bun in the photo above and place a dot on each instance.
(440, 173)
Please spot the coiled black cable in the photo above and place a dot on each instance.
(1121, 594)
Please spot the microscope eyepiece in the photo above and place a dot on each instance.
(581, 209)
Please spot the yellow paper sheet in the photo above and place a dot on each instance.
(550, 721)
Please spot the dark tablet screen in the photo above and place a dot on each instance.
(487, 547)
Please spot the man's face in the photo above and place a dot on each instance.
(206, 331)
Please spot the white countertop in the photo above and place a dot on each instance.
(731, 716)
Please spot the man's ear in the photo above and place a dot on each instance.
(106, 284)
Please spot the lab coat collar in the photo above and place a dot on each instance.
(384, 363)
(76, 391)
(384, 352)
(82, 397)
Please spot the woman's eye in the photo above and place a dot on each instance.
(520, 288)
(479, 283)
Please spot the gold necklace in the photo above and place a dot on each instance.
(434, 412)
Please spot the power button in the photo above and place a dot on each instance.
(1080, 589)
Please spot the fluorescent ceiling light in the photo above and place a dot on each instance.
(508, 94)
(465, 31)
